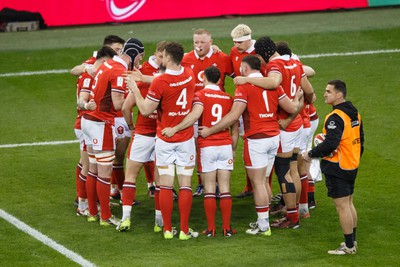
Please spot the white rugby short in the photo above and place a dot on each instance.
(196, 129)
(80, 136)
(215, 158)
(289, 140)
(99, 134)
(314, 126)
(306, 137)
(179, 153)
(260, 153)
(121, 128)
(141, 148)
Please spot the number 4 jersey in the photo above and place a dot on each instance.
(174, 90)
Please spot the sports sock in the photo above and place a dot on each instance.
(304, 193)
(263, 216)
(349, 240)
(149, 171)
(210, 207)
(128, 193)
(185, 204)
(91, 181)
(293, 215)
(103, 192)
(311, 189)
(157, 198)
(82, 186)
(166, 206)
(78, 170)
(119, 175)
(225, 204)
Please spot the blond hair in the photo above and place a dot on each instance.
(202, 31)
(240, 31)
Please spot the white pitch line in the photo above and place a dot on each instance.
(51, 143)
(344, 54)
(30, 73)
(371, 52)
(45, 240)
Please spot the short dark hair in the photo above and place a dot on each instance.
(175, 51)
(253, 61)
(265, 47)
(105, 51)
(110, 39)
(212, 74)
(283, 48)
(339, 86)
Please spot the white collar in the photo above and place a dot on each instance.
(120, 60)
(212, 87)
(174, 72)
(209, 54)
(153, 63)
(255, 74)
(251, 48)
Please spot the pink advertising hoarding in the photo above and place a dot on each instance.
(77, 12)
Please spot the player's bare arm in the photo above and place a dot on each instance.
(271, 82)
(127, 110)
(79, 69)
(235, 137)
(188, 121)
(308, 90)
(145, 106)
(84, 104)
(293, 107)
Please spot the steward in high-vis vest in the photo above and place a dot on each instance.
(344, 142)
(341, 152)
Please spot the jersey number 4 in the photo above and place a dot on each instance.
(182, 99)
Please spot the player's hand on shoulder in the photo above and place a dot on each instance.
(239, 80)
(216, 49)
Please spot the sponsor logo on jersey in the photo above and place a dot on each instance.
(123, 11)
(181, 82)
(200, 76)
(266, 115)
(178, 113)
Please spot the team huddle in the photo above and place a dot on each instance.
(186, 119)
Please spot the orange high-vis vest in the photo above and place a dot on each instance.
(349, 149)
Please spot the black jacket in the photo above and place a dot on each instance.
(332, 140)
